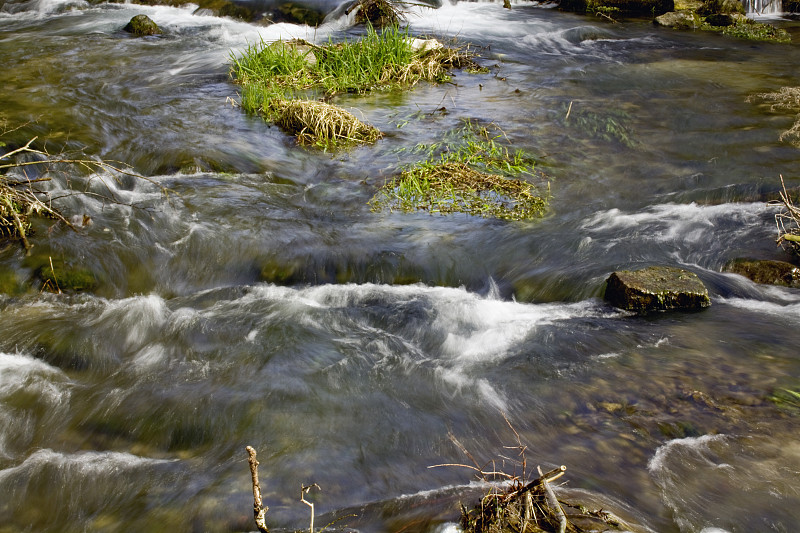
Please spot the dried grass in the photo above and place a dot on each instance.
(788, 222)
(322, 124)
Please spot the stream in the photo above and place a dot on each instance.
(261, 302)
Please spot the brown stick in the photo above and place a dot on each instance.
(259, 510)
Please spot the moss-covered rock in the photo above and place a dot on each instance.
(67, 278)
(767, 272)
(681, 20)
(656, 288)
(142, 25)
(622, 7)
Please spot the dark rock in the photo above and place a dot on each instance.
(767, 272)
(623, 7)
(680, 20)
(719, 20)
(656, 288)
(142, 25)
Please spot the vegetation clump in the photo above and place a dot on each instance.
(273, 74)
(745, 28)
(472, 174)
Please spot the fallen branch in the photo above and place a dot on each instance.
(259, 509)
(553, 502)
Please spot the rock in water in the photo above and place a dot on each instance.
(141, 25)
(656, 288)
(768, 272)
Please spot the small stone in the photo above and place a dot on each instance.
(656, 288)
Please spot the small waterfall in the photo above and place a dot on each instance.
(763, 7)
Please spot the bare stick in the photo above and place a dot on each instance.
(553, 502)
(259, 509)
(303, 492)
(20, 227)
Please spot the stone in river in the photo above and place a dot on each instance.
(141, 25)
(656, 288)
(764, 271)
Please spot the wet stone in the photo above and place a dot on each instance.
(766, 272)
(656, 288)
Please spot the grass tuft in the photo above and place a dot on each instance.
(471, 174)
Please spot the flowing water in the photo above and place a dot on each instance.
(262, 303)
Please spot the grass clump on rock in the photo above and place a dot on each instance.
(472, 174)
(297, 71)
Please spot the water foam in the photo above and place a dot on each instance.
(45, 389)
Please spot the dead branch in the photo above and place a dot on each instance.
(553, 502)
(303, 491)
(259, 509)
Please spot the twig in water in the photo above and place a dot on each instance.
(259, 509)
(303, 492)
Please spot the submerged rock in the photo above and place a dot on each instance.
(142, 25)
(656, 288)
(767, 272)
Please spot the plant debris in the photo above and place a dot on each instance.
(788, 222)
(534, 508)
(378, 13)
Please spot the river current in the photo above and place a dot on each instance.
(261, 302)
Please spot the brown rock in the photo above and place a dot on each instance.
(656, 288)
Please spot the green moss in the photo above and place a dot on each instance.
(66, 278)
(744, 28)
(9, 282)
